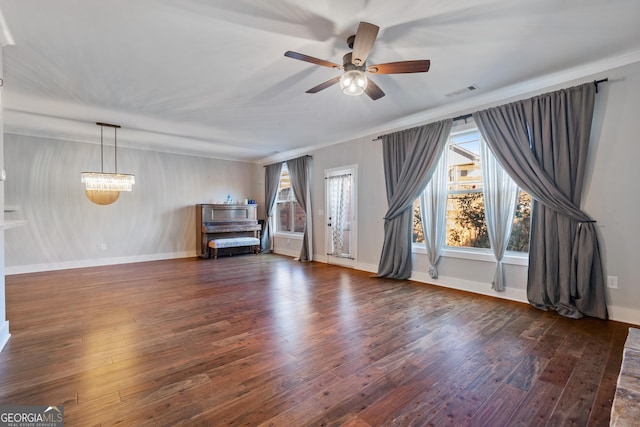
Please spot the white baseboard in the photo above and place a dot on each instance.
(618, 314)
(36, 268)
(4, 334)
(321, 258)
(288, 252)
(512, 294)
(625, 315)
(370, 268)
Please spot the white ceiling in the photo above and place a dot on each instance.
(209, 77)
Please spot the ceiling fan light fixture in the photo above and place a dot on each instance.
(353, 82)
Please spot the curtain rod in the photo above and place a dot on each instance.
(306, 155)
(468, 116)
(597, 82)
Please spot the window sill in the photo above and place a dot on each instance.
(295, 236)
(513, 258)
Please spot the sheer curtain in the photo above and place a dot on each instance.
(339, 186)
(542, 142)
(300, 174)
(271, 183)
(500, 195)
(409, 158)
(433, 213)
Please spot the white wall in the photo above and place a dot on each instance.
(4, 323)
(154, 221)
(609, 197)
(371, 202)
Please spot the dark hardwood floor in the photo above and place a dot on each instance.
(264, 340)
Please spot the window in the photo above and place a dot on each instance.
(290, 217)
(466, 225)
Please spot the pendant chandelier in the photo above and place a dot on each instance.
(104, 188)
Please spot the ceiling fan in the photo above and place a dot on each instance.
(354, 81)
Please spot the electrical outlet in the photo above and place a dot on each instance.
(103, 247)
(612, 282)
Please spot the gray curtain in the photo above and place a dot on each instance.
(300, 174)
(271, 183)
(409, 158)
(542, 143)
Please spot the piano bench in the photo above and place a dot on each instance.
(234, 242)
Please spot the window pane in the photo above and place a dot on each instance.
(289, 216)
(466, 225)
(465, 171)
(418, 235)
(284, 189)
(283, 217)
(284, 195)
(519, 240)
(299, 219)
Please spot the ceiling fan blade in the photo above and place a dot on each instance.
(421, 66)
(311, 59)
(365, 37)
(373, 90)
(324, 85)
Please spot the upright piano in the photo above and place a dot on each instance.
(215, 221)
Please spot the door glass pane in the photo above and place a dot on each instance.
(339, 215)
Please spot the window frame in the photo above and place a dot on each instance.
(470, 179)
(475, 254)
(466, 252)
(298, 235)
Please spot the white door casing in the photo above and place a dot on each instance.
(341, 215)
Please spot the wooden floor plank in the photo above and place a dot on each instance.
(575, 403)
(537, 406)
(264, 340)
(527, 372)
(499, 407)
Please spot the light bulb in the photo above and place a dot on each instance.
(353, 82)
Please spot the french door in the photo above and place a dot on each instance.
(341, 230)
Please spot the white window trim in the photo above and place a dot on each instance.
(289, 235)
(274, 223)
(353, 170)
(476, 254)
(274, 219)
